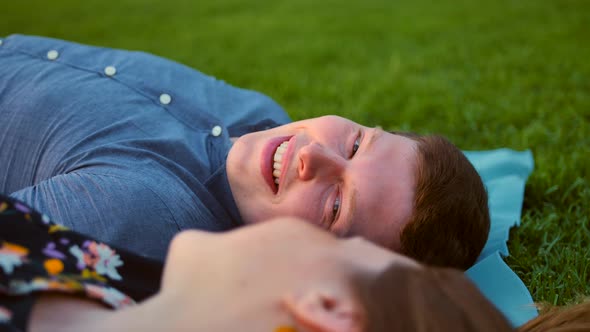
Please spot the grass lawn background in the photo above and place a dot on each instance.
(487, 75)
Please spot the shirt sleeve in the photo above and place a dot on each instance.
(37, 255)
(114, 208)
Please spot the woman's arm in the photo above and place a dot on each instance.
(55, 278)
(60, 312)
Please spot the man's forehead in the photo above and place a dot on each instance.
(385, 196)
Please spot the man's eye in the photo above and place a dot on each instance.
(355, 146)
(335, 208)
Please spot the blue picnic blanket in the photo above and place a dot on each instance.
(504, 173)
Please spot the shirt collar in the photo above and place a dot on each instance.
(218, 186)
(218, 183)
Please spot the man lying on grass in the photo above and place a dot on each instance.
(132, 148)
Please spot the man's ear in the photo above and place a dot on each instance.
(322, 311)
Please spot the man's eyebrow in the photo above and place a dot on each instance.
(351, 199)
(375, 133)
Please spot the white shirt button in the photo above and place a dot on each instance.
(216, 131)
(165, 99)
(110, 71)
(52, 55)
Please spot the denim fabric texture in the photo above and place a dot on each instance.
(124, 146)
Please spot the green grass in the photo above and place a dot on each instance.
(487, 75)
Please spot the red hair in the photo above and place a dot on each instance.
(450, 221)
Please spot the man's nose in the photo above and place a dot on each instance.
(316, 160)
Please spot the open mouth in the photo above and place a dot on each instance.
(277, 166)
(274, 157)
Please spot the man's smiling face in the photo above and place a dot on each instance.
(340, 175)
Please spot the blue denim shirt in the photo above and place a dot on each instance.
(125, 146)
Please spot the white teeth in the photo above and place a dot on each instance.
(278, 157)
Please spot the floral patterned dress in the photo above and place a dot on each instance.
(37, 255)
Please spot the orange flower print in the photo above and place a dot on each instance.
(3, 206)
(11, 256)
(37, 284)
(53, 266)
